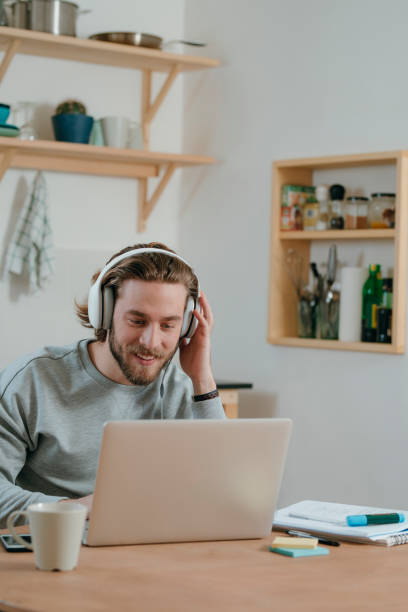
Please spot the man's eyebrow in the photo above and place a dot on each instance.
(143, 315)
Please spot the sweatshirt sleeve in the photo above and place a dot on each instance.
(16, 440)
(209, 409)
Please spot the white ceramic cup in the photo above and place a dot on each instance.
(135, 139)
(56, 533)
(115, 131)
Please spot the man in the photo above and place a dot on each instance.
(143, 306)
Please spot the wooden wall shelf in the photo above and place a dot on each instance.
(27, 42)
(336, 345)
(67, 157)
(282, 296)
(368, 234)
(90, 159)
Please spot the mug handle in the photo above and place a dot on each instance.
(10, 527)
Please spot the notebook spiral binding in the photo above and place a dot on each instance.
(398, 538)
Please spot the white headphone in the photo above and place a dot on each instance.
(101, 300)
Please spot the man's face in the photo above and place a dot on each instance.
(146, 327)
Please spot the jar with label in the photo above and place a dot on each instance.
(356, 212)
(310, 214)
(322, 195)
(381, 213)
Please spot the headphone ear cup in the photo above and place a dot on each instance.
(95, 306)
(189, 321)
(108, 303)
(193, 327)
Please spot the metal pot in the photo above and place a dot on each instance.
(17, 13)
(55, 16)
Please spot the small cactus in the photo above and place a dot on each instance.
(72, 107)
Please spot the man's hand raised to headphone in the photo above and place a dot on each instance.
(195, 357)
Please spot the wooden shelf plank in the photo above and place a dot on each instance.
(364, 234)
(98, 52)
(343, 161)
(369, 347)
(90, 159)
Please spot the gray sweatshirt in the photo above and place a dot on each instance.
(53, 405)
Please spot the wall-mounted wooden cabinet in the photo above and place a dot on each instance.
(88, 159)
(282, 318)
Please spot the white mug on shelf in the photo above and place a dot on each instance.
(56, 533)
(135, 136)
(115, 131)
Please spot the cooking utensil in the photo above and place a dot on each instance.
(332, 265)
(294, 263)
(330, 304)
(140, 39)
(319, 278)
(3, 15)
(17, 13)
(53, 16)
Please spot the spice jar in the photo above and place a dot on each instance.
(336, 206)
(356, 212)
(381, 212)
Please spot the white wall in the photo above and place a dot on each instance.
(92, 217)
(297, 79)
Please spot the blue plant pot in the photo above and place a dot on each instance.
(4, 113)
(72, 127)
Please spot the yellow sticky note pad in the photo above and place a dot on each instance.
(282, 541)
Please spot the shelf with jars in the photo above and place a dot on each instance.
(283, 297)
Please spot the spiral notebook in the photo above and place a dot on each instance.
(328, 519)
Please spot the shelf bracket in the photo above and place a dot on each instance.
(8, 56)
(5, 162)
(150, 109)
(146, 206)
(146, 94)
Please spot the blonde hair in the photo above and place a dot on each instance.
(144, 266)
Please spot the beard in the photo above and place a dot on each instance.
(137, 374)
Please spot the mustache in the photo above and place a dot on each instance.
(137, 349)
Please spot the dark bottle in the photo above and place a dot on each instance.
(336, 206)
(371, 301)
(384, 313)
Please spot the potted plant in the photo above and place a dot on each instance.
(71, 123)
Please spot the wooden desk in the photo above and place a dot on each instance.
(210, 576)
(229, 396)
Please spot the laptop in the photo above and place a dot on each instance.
(187, 480)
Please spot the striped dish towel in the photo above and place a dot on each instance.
(31, 248)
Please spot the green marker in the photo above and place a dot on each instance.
(361, 520)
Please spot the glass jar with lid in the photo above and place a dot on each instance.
(381, 213)
(356, 212)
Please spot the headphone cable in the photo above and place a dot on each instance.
(162, 380)
(162, 386)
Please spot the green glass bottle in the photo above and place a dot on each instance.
(371, 299)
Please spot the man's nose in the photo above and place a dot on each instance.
(150, 336)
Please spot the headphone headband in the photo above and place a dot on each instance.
(119, 258)
(101, 299)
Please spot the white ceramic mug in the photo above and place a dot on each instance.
(56, 533)
(135, 139)
(115, 131)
